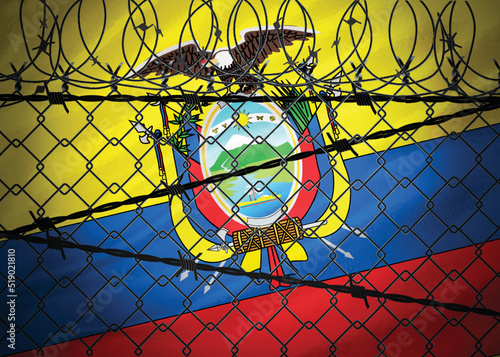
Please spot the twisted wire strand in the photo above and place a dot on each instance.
(341, 145)
(189, 264)
(192, 99)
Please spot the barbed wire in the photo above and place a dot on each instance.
(452, 72)
(443, 50)
(47, 223)
(336, 145)
(356, 291)
(255, 99)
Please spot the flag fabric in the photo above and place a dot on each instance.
(413, 213)
(145, 302)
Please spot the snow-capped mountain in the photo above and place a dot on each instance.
(236, 141)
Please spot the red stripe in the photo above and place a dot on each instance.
(307, 317)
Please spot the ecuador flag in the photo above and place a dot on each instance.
(241, 178)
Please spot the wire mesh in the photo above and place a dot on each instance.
(148, 109)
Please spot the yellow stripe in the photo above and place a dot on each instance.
(114, 164)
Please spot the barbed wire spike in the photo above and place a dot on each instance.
(143, 27)
(17, 76)
(187, 265)
(114, 76)
(450, 41)
(115, 72)
(192, 100)
(218, 33)
(55, 97)
(259, 73)
(358, 291)
(94, 60)
(44, 43)
(313, 54)
(185, 273)
(341, 145)
(45, 224)
(277, 25)
(39, 89)
(290, 62)
(404, 69)
(363, 98)
(352, 21)
(336, 42)
(16, 72)
(65, 73)
(202, 52)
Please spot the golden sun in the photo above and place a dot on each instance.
(243, 120)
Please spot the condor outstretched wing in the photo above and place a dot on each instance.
(258, 44)
(184, 59)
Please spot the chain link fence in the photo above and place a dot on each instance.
(281, 145)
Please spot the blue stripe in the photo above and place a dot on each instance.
(423, 204)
